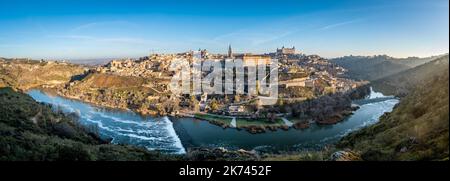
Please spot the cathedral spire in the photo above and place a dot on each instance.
(230, 52)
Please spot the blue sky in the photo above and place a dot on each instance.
(82, 29)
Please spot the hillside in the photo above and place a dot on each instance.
(144, 95)
(116, 91)
(417, 128)
(401, 83)
(376, 67)
(33, 131)
(99, 80)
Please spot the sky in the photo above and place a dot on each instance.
(91, 29)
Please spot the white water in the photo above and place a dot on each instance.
(123, 127)
(374, 94)
(126, 127)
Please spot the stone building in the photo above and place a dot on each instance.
(286, 51)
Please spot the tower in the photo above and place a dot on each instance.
(230, 52)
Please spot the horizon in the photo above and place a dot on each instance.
(100, 59)
(84, 30)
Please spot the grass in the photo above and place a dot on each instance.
(302, 156)
(296, 119)
(33, 131)
(417, 128)
(258, 122)
(240, 122)
(216, 118)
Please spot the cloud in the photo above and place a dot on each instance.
(331, 26)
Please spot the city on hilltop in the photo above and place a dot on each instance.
(175, 80)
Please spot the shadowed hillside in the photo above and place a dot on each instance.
(33, 131)
(376, 67)
(401, 83)
(417, 128)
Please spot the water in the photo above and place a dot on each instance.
(197, 133)
(126, 127)
(123, 127)
(201, 133)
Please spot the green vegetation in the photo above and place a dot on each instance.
(303, 156)
(240, 122)
(417, 129)
(258, 122)
(123, 92)
(34, 131)
(216, 119)
(214, 105)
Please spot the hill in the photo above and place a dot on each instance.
(125, 92)
(417, 128)
(376, 67)
(401, 83)
(25, 74)
(34, 131)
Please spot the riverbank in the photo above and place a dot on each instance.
(262, 125)
(200, 133)
(127, 127)
(33, 131)
(118, 125)
(252, 125)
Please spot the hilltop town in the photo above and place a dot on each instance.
(309, 88)
(296, 70)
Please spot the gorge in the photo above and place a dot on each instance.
(176, 135)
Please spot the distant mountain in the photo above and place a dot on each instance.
(376, 67)
(401, 83)
(417, 128)
(93, 62)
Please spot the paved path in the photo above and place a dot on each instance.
(287, 122)
(233, 122)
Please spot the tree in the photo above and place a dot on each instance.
(280, 101)
(237, 98)
(193, 103)
(160, 108)
(258, 87)
(258, 104)
(225, 99)
(214, 105)
(273, 117)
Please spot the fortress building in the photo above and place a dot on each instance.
(286, 51)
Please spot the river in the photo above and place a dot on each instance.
(174, 135)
